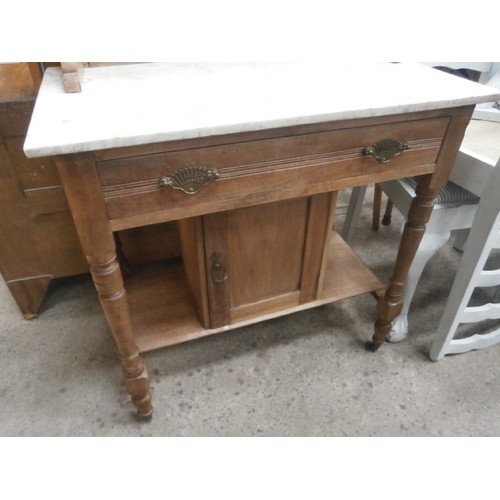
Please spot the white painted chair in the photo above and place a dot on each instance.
(483, 238)
(454, 209)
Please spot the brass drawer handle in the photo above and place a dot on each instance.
(385, 150)
(189, 180)
(218, 271)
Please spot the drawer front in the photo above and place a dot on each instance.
(267, 170)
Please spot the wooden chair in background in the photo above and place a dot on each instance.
(483, 239)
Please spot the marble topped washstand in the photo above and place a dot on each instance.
(248, 159)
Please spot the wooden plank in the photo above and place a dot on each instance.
(264, 307)
(346, 275)
(193, 257)
(319, 230)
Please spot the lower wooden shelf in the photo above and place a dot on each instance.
(164, 312)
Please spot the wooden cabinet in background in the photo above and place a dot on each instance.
(38, 241)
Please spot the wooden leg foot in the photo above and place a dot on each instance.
(29, 317)
(29, 294)
(138, 386)
(145, 416)
(382, 328)
(143, 406)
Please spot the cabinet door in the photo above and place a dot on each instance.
(264, 258)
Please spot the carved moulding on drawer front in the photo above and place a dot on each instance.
(152, 185)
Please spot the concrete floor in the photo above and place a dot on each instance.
(306, 374)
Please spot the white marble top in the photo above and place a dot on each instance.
(153, 102)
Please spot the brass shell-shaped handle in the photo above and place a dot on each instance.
(385, 150)
(218, 271)
(189, 180)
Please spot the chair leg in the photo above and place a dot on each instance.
(353, 211)
(430, 244)
(386, 221)
(460, 239)
(377, 202)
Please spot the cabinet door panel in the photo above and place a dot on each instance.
(270, 264)
(261, 250)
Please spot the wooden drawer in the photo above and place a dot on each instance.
(257, 171)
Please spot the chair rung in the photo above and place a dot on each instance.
(458, 346)
(473, 314)
(489, 278)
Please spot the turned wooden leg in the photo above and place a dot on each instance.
(84, 194)
(430, 244)
(137, 382)
(109, 284)
(390, 303)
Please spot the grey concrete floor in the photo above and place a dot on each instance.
(306, 374)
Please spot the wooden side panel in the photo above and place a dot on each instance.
(153, 243)
(32, 173)
(32, 244)
(193, 257)
(38, 240)
(319, 230)
(16, 82)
